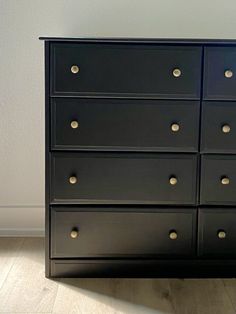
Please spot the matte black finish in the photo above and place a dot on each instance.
(124, 178)
(123, 153)
(211, 221)
(126, 70)
(213, 169)
(215, 115)
(149, 268)
(47, 161)
(138, 40)
(133, 124)
(216, 85)
(109, 232)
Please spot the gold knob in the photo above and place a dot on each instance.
(173, 180)
(225, 181)
(226, 128)
(73, 180)
(74, 233)
(176, 72)
(74, 124)
(228, 73)
(175, 127)
(74, 69)
(221, 234)
(173, 235)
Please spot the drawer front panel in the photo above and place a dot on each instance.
(218, 127)
(126, 69)
(124, 178)
(220, 73)
(121, 233)
(125, 124)
(218, 179)
(217, 232)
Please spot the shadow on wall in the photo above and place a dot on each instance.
(129, 19)
(115, 19)
(151, 18)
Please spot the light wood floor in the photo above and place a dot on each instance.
(24, 289)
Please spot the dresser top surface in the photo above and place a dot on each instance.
(195, 41)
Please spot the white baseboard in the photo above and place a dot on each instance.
(21, 220)
(29, 232)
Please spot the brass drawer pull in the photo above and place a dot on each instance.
(73, 180)
(74, 233)
(229, 73)
(74, 124)
(75, 69)
(176, 72)
(221, 234)
(173, 180)
(175, 127)
(173, 235)
(225, 180)
(225, 128)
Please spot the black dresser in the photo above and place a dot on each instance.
(140, 157)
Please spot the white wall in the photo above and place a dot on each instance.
(22, 75)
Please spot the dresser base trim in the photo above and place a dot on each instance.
(143, 268)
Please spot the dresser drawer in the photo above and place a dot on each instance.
(220, 73)
(124, 178)
(108, 124)
(121, 232)
(217, 232)
(218, 127)
(126, 70)
(218, 179)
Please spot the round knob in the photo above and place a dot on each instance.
(74, 124)
(74, 233)
(176, 72)
(173, 235)
(175, 127)
(226, 128)
(73, 180)
(225, 181)
(229, 73)
(173, 180)
(221, 234)
(74, 69)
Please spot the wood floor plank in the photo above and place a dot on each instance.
(113, 296)
(9, 250)
(26, 289)
(230, 286)
(206, 296)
